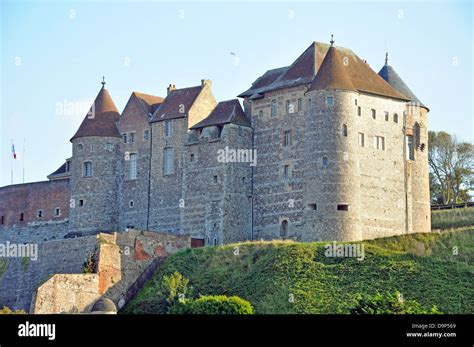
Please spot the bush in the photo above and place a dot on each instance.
(6, 310)
(213, 304)
(174, 286)
(390, 303)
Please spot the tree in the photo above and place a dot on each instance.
(213, 304)
(451, 168)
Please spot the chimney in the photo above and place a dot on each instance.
(170, 88)
(206, 83)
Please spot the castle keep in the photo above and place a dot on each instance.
(323, 149)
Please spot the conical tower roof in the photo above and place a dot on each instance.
(101, 118)
(333, 73)
(389, 74)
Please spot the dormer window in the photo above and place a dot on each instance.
(132, 137)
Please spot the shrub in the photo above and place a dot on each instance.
(90, 265)
(174, 286)
(213, 304)
(390, 303)
(6, 310)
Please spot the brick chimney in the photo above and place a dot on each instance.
(170, 88)
(206, 83)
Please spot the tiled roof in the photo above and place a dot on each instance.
(60, 170)
(176, 104)
(301, 71)
(101, 119)
(342, 69)
(149, 102)
(225, 112)
(388, 74)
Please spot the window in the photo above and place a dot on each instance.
(260, 113)
(39, 214)
(359, 111)
(131, 203)
(312, 207)
(361, 140)
(300, 104)
(168, 128)
(168, 167)
(355, 102)
(286, 172)
(87, 169)
(374, 114)
(215, 241)
(289, 106)
(410, 148)
(68, 166)
(343, 207)
(215, 178)
(109, 146)
(274, 108)
(22, 217)
(287, 138)
(124, 136)
(191, 157)
(57, 212)
(379, 142)
(2, 220)
(81, 202)
(132, 137)
(309, 104)
(133, 166)
(284, 229)
(386, 116)
(243, 179)
(395, 118)
(344, 130)
(329, 101)
(146, 135)
(80, 146)
(325, 161)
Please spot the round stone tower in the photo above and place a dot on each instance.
(95, 169)
(331, 177)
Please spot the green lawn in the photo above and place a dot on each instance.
(421, 266)
(455, 218)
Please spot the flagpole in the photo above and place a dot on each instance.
(11, 164)
(23, 159)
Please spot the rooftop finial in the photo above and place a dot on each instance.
(332, 40)
(103, 82)
(386, 58)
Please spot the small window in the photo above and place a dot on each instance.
(343, 207)
(109, 146)
(168, 165)
(215, 178)
(289, 107)
(168, 128)
(284, 229)
(132, 137)
(300, 104)
(22, 217)
(80, 146)
(287, 138)
(344, 130)
(379, 142)
(355, 102)
(359, 111)
(374, 114)
(87, 169)
(361, 140)
(131, 203)
(191, 158)
(386, 116)
(286, 172)
(325, 161)
(243, 179)
(329, 101)
(410, 148)
(215, 241)
(274, 108)
(81, 202)
(39, 214)
(260, 113)
(133, 166)
(308, 104)
(2, 220)
(312, 207)
(124, 136)
(57, 212)
(395, 118)
(146, 135)
(68, 166)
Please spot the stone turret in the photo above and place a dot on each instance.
(96, 168)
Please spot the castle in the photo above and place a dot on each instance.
(323, 149)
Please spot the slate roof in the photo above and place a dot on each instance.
(390, 75)
(225, 112)
(345, 70)
(177, 100)
(149, 102)
(102, 121)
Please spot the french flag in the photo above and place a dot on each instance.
(13, 151)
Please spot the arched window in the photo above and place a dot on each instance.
(344, 130)
(284, 229)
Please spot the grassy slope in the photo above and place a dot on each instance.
(455, 218)
(421, 266)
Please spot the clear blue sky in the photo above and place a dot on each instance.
(55, 53)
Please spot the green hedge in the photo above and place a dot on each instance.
(213, 304)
